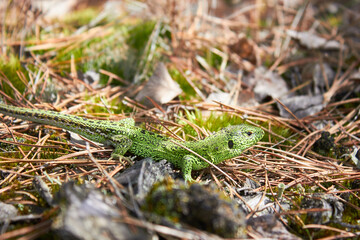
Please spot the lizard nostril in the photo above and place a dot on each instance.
(249, 133)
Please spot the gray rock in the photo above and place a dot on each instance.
(143, 174)
(7, 211)
(86, 213)
(334, 207)
(267, 226)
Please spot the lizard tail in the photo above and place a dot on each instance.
(82, 126)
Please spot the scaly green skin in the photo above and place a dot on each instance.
(124, 136)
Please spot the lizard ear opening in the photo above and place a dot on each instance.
(230, 144)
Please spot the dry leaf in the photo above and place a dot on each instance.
(313, 41)
(301, 106)
(267, 83)
(161, 87)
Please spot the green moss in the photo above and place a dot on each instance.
(281, 131)
(7, 147)
(162, 208)
(80, 18)
(138, 50)
(213, 59)
(188, 91)
(351, 215)
(195, 205)
(214, 121)
(120, 52)
(115, 107)
(335, 21)
(93, 53)
(120, 49)
(9, 66)
(139, 35)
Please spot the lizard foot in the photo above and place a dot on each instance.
(189, 179)
(121, 158)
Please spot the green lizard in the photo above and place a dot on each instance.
(124, 136)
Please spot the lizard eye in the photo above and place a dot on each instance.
(249, 133)
(230, 144)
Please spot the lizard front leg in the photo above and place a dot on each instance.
(187, 166)
(121, 143)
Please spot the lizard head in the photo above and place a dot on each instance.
(231, 141)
